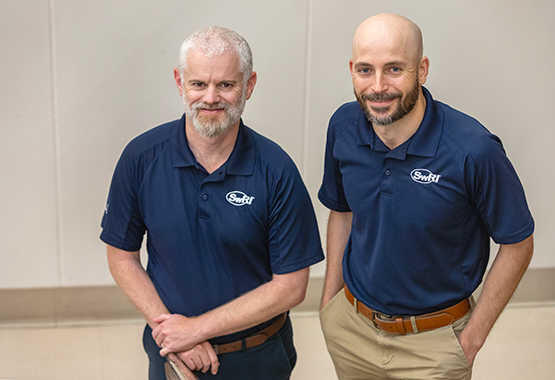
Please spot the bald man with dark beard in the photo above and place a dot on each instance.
(415, 190)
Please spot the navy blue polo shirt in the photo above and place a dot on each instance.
(210, 237)
(423, 212)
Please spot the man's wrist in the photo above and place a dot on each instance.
(202, 331)
(471, 343)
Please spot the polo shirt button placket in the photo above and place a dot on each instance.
(203, 212)
(385, 186)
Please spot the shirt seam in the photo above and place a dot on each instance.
(297, 265)
(332, 204)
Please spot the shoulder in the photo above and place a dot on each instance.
(150, 140)
(347, 114)
(466, 134)
(270, 158)
(345, 123)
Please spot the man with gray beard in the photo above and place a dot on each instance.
(230, 227)
(416, 189)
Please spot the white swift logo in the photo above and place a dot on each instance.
(238, 198)
(424, 176)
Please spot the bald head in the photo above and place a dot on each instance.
(388, 69)
(391, 32)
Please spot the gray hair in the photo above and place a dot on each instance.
(216, 40)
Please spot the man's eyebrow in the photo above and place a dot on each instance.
(362, 64)
(396, 63)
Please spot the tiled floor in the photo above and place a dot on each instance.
(521, 346)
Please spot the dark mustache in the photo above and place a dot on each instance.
(378, 97)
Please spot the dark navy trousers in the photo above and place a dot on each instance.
(272, 360)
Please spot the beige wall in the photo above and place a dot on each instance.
(80, 78)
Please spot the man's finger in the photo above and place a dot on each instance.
(162, 317)
(214, 361)
(198, 361)
(159, 339)
(204, 357)
(184, 371)
(190, 363)
(157, 335)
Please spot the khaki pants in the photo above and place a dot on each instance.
(360, 351)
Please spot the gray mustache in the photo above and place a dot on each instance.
(209, 106)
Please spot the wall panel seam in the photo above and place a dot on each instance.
(56, 141)
(306, 116)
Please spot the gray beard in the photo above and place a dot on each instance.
(208, 128)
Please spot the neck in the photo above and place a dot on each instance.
(211, 152)
(395, 134)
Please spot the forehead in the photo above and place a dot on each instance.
(379, 45)
(218, 66)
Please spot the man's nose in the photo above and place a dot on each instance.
(211, 95)
(380, 83)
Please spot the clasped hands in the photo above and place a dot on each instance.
(177, 337)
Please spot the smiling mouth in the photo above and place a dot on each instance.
(210, 110)
(381, 103)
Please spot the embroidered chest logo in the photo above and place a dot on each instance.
(424, 176)
(238, 198)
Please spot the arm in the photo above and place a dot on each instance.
(176, 333)
(503, 277)
(339, 229)
(129, 274)
(292, 243)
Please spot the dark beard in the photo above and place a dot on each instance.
(404, 107)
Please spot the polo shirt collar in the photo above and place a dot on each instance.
(240, 162)
(423, 143)
(181, 153)
(426, 139)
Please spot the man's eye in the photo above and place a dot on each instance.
(226, 85)
(197, 84)
(395, 70)
(364, 70)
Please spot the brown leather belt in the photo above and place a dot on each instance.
(253, 340)
(410, 324)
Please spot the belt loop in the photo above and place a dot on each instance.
(355, 304)
(413, 324)
(243, 344)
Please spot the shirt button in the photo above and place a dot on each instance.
(204, 197)
(387, 172)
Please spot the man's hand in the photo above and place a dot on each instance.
(325, 299)
(183, 370)
(500, 283)
(202, 357)
(175, 333)
(470, 348)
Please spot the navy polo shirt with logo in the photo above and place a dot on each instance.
(423, 212)
(210, 237)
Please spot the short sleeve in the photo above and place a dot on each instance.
(498, 194)
(331, 192)
(294, 240)
(122, 223)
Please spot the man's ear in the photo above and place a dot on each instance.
(423, 68)
(251, 82)
(178, 80)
